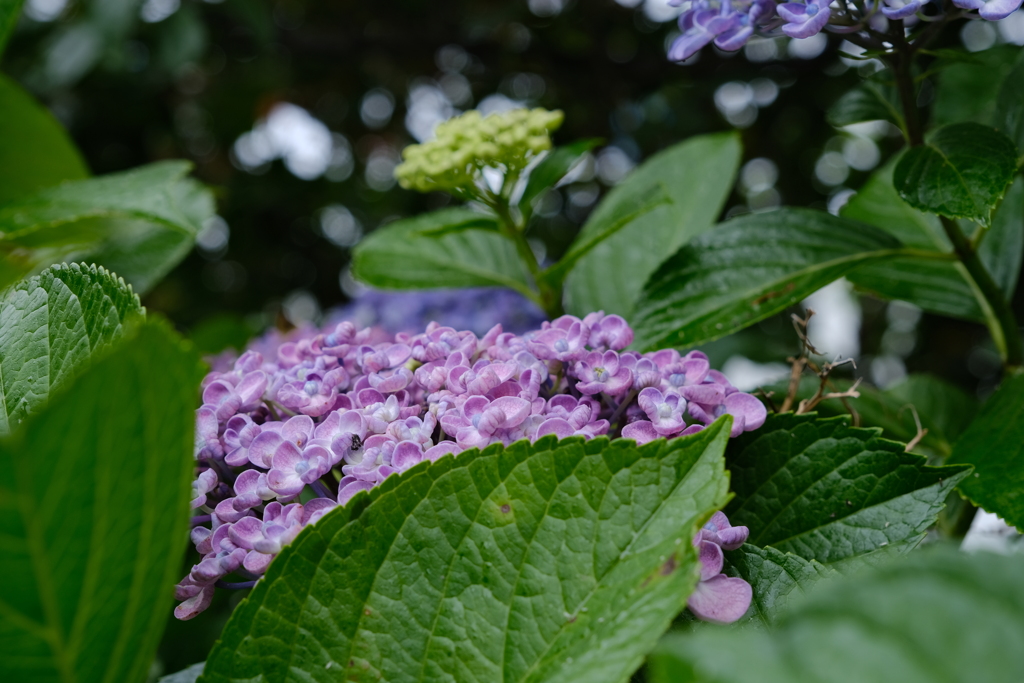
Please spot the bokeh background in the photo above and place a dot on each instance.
(296, 112)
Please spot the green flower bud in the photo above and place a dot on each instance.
(465, 145)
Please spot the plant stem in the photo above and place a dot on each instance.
(549, 298)
(902, 62)
(1002, 323)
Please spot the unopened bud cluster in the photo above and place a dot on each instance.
(465, 145)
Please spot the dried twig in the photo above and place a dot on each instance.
(794, 381)
(767, 396)
(800, 325)
(921, 431)
(802, 362)
(808, 404)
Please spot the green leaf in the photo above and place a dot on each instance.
(475, 222)
(942, 287)
(776, 577)
(938, 615)
(748, 269)
(552, 169)
(10, 10)
(50, 326)
(1009, 113)
(699, 175)
(623, 214)
(35, 151)
(994, 444)
(969, 91)
(94, 500)
(961, 172)
(141, 222)
(825, 491)
(874, 99)
(401, 256)
(553, 561)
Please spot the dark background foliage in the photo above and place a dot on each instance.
(141, 80)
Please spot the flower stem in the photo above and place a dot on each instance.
(902, 62)
(1001, 322)
(548, 298)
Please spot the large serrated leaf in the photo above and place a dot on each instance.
(774, 576)
(553, 561)
(416, 253)
(49, 327)
(143, 222)
(962, 171)
(94, 516)
(35, 151)
(994, 445)
(748, 269)
(936, 616)
(826, 491)
(698, 175)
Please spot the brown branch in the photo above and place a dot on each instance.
(921, 431)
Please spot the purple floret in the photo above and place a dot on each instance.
(320, 415)
(992, 10)
(717, 597)
(804, 20)
(727, 23)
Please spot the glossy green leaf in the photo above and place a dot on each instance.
(624, 213)
(94, 500)
(969, 90)
(552, 169)
(994, 445)
(1009, 113)
(748, 269)
(825, 491)
(141, 223)
(699, 175)
(553, 561)
(775, 576)
(874, 99)
(942, 287)
(10, 10)
(35, 150)
(50, 325)
(938, 615)
(962, 171)
(403, 255)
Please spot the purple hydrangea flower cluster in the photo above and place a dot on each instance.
(729, 24)
(299, 424)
